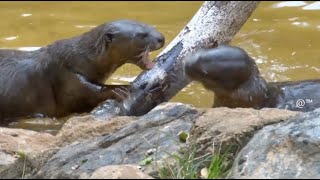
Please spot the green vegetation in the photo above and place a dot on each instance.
(146, 161)
(188, 167)
(219, 166)
(186, 164)
(83, 161)
(23, 156)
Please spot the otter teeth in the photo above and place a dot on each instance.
(146, 60)
(146, 57)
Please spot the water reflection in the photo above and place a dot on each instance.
(26, 15)
(28, 48)
(312, 6)
(11, 38)
(289, 4)
(48, 125)
(85, 26)
(302, 24)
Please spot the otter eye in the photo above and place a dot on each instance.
(142, 35)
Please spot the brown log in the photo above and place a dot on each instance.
(216, 22)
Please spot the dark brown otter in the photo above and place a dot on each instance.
(67, 76)
(234, 78)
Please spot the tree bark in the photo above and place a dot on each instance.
(216, 22)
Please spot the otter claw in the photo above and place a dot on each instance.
(121, 92)
(118, 96)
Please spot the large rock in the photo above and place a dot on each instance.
(283, 151)
(223, 128)
(24, 151)
(87, 145)
(21, 151)
(156, 130)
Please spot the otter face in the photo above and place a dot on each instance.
(131, 42)
(224, 67)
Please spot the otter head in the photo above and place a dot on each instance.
(128, 41)
(222, 68)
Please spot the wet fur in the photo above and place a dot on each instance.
(67, 76)
(234, 78)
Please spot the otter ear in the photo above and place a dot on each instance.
(109, 37)
(103, 42)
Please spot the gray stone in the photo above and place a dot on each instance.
(158, 129)
(87, 144)
(218, 129)
(286, 150)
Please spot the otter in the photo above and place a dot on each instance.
(67, 76)
(235, 79)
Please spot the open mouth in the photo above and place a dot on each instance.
(146, 61)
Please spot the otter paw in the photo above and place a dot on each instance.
(121, 93)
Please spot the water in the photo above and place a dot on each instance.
(282, 36)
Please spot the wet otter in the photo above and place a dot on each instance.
(234, 78)
(66, 76)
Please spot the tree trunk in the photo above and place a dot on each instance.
(216, 22)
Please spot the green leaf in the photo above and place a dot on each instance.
(146, 161)
(183, 136)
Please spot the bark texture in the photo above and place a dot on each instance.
(216, 22)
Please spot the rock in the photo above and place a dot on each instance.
(117, 172)
(224, 128)
(23, 150)
(231, 128)
(88, 144)
(288, 150)
(7, 161)
(158, 129)
(39, 147)
(79, 128)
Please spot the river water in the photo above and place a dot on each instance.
(282, 36)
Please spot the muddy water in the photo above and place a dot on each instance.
(283, 37)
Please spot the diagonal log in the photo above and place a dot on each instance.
(216, 22)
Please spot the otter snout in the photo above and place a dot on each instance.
(225, 66)
(158, 41)
(132, 42)
(193, 65)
